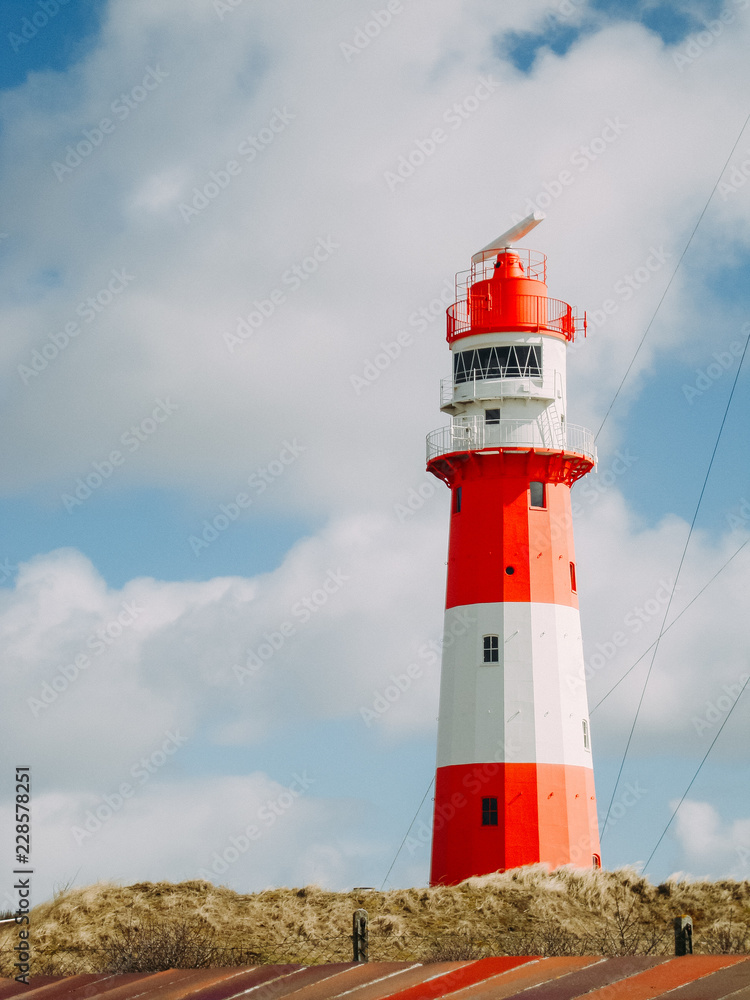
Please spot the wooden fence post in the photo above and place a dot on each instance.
(683, 935)
(360, 936)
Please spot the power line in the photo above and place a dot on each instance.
(705, 757)
(674, 587)
(673, 622)
(674, 274)
(407, 833)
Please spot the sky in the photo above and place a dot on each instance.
(228, 235)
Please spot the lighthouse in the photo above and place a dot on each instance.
(514, 782)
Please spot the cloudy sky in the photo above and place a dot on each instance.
(228, 234)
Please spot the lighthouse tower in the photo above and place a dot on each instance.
(514, 783)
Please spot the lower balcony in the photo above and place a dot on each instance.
(476, 434)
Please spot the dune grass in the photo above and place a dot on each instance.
(146, 926)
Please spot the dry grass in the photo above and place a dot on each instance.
(525, 911)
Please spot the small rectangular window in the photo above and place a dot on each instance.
(573, 577)
(537, 495)
(492, 416)
(489, 812)
(457, 500)
(491, 649)
(585, 734)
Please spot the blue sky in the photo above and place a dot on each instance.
(174, 172)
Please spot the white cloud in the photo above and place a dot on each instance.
(711, 844)
(320, 637)
(627, 572)
(242, 831)
(322, 176)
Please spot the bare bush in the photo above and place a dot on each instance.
(458, 947)
(155, 945)
(727, 938)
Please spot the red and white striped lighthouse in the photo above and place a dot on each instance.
(515, 782)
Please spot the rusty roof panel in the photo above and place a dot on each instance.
(694, 977)
(351, 980)
(459, 976)
(58, 987)
(409, 974)
(310, 982)
(9, 987)
(244, 980)
(726, 982)
(535, 972)
(594, 976)
(660, 979)
(126, 986)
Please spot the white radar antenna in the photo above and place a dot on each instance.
(511, 236)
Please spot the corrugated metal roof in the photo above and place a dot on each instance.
(636, 977)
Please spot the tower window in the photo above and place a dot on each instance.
(502, 361)
(489, 812)
(573, 577)
(491, 652)
(457, 500)
(537, 495)
(586, 734)
(492, 416)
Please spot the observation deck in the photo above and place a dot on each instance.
(480, 385)
(508, 434)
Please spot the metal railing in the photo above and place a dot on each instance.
(533, 263)
(522, 312)
(475, 434)
(479, 386)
